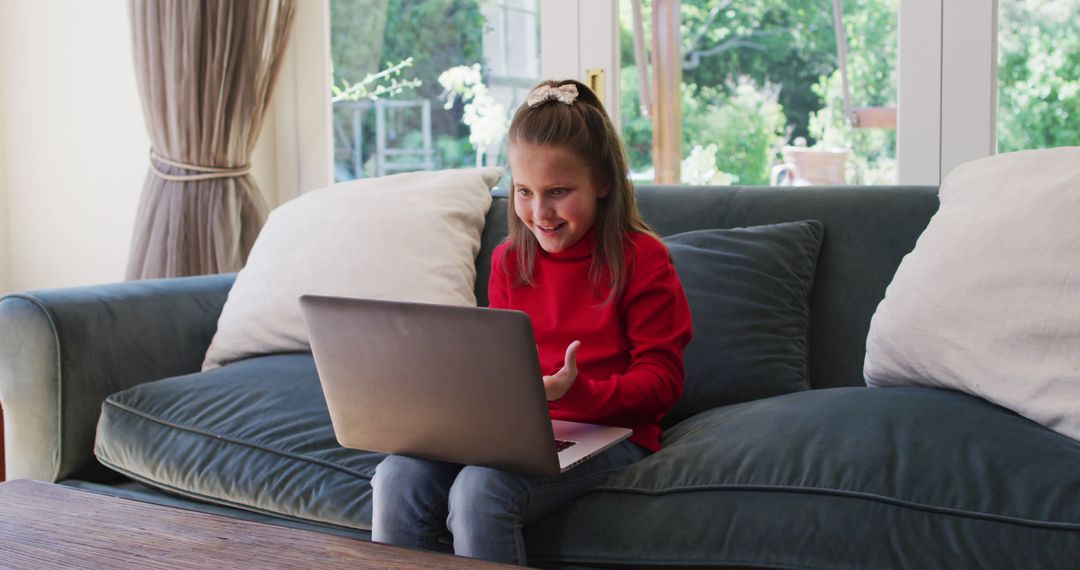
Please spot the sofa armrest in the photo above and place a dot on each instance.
(63, 351)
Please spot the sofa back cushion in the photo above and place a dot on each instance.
(868, 230)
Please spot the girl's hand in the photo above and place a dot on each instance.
(558, 384)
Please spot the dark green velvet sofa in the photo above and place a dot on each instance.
(96, 380)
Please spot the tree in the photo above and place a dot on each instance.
(356, 37)
(1038, 74)
(871, 29)
(743, 120)
(369, 36)
(788, 45)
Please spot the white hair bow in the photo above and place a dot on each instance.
(565, 94)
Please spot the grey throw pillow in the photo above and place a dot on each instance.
(749, 294)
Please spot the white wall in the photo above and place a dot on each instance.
(74, 143)
(73, 137)
(5, 278)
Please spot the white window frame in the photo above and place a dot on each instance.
(579, 35)
(947, 97)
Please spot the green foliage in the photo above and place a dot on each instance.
(368, 36)
(356, 37)
(787, 43)
(453, 150)
(375, 85)
(871, 27)
(787, 46)
(873, 158)
(1038, 74)
(744, 122)
(699, 168)
(437, 34)
(636, 128)
(754, 73)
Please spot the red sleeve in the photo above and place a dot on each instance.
(657, 321)
(498, 282)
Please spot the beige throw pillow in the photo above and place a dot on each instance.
(988, 302)
(407, 237)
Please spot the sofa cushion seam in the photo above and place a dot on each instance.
(1050, 525)
(696, 563)
(138, 413)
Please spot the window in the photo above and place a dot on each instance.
(428, 84)
(764, 96)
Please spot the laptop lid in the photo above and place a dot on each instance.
(457, 384)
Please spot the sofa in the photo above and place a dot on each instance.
(102, 390)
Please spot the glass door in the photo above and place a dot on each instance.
(769, 92)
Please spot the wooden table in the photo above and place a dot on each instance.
(52, 526)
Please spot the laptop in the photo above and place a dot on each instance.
(448, 383)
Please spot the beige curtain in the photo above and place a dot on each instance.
(206, 70)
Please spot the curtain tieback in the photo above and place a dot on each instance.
(210, 171)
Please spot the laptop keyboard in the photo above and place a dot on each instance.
(561, 445)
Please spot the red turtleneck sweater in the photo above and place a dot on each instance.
(630, 368)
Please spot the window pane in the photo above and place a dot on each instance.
(762, 92)
(428, 84)
(1038, 74)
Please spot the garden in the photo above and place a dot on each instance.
(756, 77)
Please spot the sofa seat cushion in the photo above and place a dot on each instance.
(254, 434)
(835, 478)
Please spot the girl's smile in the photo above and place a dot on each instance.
(554, 194)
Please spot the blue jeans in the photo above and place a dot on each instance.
(417, 502)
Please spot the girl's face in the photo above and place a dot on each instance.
(554, 194)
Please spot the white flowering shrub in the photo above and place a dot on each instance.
(699, 168)
(486, 118)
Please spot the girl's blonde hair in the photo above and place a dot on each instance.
(585, 129)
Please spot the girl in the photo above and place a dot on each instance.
(610, 319)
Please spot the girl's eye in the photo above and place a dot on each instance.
(524, 191)
(558, 191)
